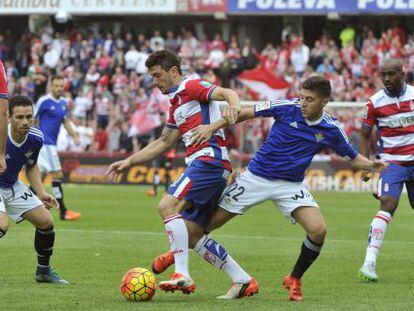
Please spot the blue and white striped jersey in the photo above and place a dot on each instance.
(19, 154)
(293, 141)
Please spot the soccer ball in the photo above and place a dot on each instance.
(138, 284)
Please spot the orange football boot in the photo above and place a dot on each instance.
(293, 285)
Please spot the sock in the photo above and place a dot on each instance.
(44, 241)
(58, 193)
(215, 254)
(309, 252)
(2, 233)
(178, 238)
(156, 181)
(376, 235)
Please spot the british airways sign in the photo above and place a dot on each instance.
(321, 6)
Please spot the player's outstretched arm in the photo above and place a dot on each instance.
(204, 133)
(168, 138)
(232, 110)
(363, 163)
(68, 126)
(34, 177)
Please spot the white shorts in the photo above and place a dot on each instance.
(49, 159)
(249, 190)
(17, 200)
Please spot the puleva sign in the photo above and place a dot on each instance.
(320, 6)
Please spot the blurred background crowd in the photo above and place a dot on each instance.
(113, 103)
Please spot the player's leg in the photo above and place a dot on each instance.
(65, 214)
(4, 223)
(297, 203)
(389, 190)
(311, 219)
(156, 179)
(44, 242)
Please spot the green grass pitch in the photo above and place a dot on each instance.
(120, 229)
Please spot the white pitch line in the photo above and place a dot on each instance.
(225, 236)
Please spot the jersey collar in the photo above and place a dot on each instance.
(174, 89)
(12, 140)
(399, 95)
(311, 123)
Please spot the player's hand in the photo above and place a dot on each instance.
(379, 166)
(77, 141)
(117, 168)
(230, 114)
(3, 165)
(49, 201)
(366, 175)
(201, 135)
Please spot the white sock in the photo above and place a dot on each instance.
(376, 235)
(178, 238)
(215, 254)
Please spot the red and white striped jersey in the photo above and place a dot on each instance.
(394, 118)
(3, 82)
(191, 106)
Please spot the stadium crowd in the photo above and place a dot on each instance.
(115, 107)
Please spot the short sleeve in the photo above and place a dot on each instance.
(369, 118)
(170, 120)
(38, 109)
(200, 90)
(342, 146)
(3, 83)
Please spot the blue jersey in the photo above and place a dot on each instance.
(50, 112)
(293, 141)
(20, 154)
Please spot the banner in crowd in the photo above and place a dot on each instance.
(201, 6)
(301, 7)
(322, 176)
(81, 7)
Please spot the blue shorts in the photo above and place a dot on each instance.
(392, 180)
(201, 184)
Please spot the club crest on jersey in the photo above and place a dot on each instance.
(205, 84)
(319, 137)
(29, 153)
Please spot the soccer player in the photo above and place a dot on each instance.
(276, 172)
(192, 198)
(16, 200)
(4, 96)
(51, 113)
(392, 110)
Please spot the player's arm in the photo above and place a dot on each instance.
(169, 137)
(204, 133)
(4, 105)
(68, 126)
(224, 94)
(34, 177)
(362, 163)
(365, 140)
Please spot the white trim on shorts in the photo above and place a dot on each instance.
(249, 190)
(48, 160)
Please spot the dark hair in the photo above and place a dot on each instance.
(19, 101)
(319, 84)
(165, 58)
(57, 77)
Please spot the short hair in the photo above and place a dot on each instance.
(57, 77)
(19, 101)
(166, 59)
(319, 84)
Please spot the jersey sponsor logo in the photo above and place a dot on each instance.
(205, 84)
(401, 122)
(319, 137)
(262, 106)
